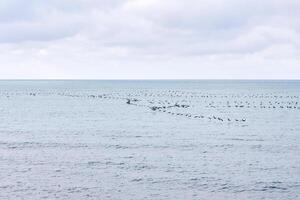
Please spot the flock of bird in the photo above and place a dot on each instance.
(255, 105)
(167, 109)
(181, 103)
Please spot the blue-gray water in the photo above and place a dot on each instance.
(126, 140)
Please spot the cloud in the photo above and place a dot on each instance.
(149, 39)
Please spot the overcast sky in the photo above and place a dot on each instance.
(150, 39)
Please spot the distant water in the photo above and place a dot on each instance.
(124, 140)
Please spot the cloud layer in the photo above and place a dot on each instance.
(124, 39)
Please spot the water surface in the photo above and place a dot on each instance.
(149, 140)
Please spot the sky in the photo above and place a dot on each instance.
(150, 39)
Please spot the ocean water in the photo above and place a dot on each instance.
(134, 140)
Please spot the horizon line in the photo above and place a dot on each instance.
(67, 79)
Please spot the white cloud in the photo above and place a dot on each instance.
(149, 39)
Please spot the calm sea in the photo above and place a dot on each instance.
(125, 140)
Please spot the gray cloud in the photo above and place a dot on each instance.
(74, 38)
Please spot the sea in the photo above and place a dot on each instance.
(149, 139)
